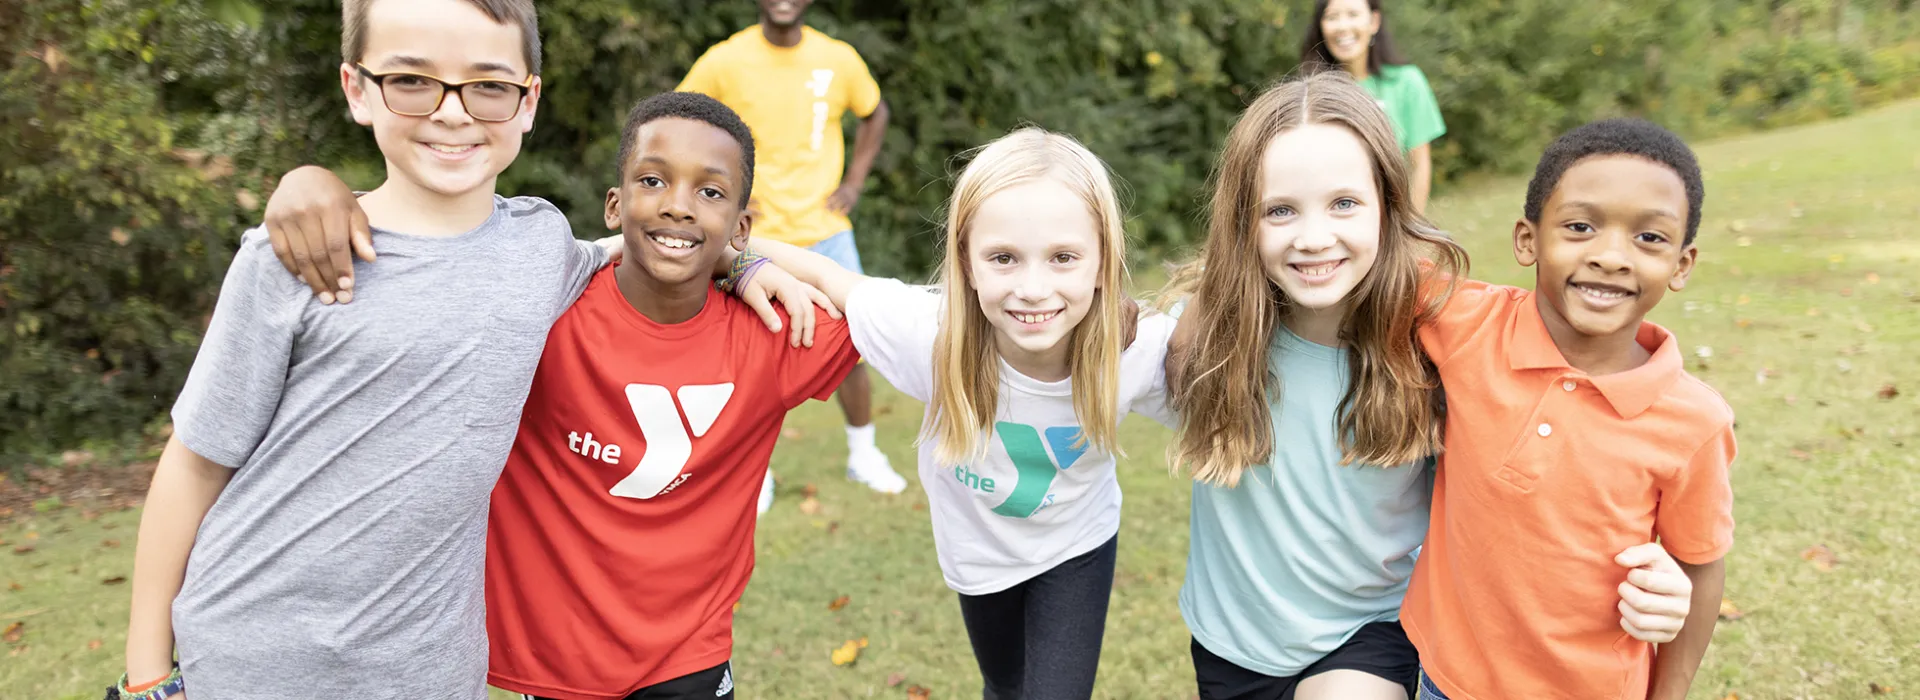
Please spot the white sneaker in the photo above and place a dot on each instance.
(871, 467)
(766, 493)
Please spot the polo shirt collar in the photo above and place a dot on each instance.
(1631, 392)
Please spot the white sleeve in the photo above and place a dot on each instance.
(894, 326)
(1144, 365)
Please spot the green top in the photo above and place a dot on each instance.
(1403, 92)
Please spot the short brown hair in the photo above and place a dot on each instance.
(353, 27)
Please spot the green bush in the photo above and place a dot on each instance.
(134, 158)
(113, 236)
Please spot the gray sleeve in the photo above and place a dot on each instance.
(584, 260)
(234, 388)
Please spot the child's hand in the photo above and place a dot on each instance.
(616, 247)
(771, 283)
(1657, 595)
(313, 219)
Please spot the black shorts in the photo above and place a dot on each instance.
(712, 684)
(1379, 648)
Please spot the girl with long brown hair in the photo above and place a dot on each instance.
(1309, 413)
(1021, 355)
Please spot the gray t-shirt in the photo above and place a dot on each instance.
(346, 557)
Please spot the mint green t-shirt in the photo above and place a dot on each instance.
(1285, 567)
(1403, 92)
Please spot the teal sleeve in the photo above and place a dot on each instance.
(1417, 111)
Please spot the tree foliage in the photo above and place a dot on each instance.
(140, 137)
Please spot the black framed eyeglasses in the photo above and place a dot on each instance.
(417, 95)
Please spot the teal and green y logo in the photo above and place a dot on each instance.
(1030, 461)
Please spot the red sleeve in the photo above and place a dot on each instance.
(1695, 516)
(813, 373)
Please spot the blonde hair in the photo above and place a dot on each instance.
(966, 365)
(1392, 412)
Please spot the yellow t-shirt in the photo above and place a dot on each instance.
(792, 99)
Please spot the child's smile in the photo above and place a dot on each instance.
(1609, 246)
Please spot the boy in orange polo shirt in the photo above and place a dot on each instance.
(1574, 433)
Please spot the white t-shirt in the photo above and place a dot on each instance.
(1034, 500)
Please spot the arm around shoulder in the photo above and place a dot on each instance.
(812, 268)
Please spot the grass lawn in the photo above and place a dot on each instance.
(1804, 313)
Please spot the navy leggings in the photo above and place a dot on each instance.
(1040, 640)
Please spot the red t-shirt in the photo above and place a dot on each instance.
(622, 527)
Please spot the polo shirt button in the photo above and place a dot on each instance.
(1545, 430)
(1568, 385)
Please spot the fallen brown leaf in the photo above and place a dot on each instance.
(1821, 557)
(1801, 455)
(1878, 689)
(809, 491)
(1888, 392)
(16, 651)
(113, 580)
(1731, 696)
(896, 678)
(93, 645)
(33, 535)
(833, 527)
(839, 603)
(790, 434)
(919, 506)
(810, 505)
(1873, 278)
(23, 549)
(919, 693)
(110, 544)
(13, 632)
(15, 586)
(1728, 611)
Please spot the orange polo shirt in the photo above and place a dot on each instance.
(1549, 473)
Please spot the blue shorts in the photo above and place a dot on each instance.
(1429, 691)
(840, 249)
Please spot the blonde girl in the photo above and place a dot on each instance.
(1021, 355)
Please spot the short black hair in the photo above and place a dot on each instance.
(688, 105)
(1631, 137)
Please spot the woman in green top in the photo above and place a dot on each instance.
(1350, 34)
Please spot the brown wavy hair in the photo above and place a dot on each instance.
(1220, 380)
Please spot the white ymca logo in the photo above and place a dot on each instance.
(668, 445)
(822, 80)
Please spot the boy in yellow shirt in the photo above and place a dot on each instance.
(791, 83)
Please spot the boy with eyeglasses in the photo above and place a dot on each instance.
(317, 522)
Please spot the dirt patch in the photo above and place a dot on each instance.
(90, 489)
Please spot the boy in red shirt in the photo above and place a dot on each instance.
(1573, 432)
(621, 532)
